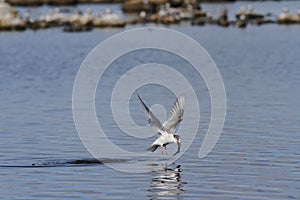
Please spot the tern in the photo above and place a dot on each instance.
(166, 131)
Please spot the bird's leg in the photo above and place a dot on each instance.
(164, 151)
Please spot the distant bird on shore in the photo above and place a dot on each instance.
(166, 131)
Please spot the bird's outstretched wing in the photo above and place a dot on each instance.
(175, 115)
(151, 118)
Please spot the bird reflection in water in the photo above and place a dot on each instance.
(166, 183)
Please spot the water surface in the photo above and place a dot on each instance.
(256, 157)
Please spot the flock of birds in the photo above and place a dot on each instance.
(76, 20)
(11, 19)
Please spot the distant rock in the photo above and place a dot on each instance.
(9, 18)
(109, 19)
(152, 6)
(286, 18)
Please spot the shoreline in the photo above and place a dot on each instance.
(29, 3)
(136, 12)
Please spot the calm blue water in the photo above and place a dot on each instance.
(256, 157)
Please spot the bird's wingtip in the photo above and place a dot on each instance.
(152, 148)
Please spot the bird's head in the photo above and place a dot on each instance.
(178, 141)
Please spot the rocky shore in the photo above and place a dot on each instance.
(73, 2)
(142, 11)
(57, 2)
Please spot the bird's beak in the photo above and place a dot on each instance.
(178, 147)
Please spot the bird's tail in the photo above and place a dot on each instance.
(153, 148)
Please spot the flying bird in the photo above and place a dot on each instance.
(166, 131)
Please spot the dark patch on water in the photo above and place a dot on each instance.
(68, 163)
